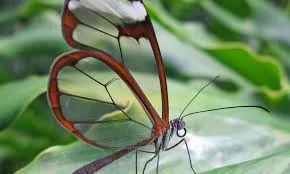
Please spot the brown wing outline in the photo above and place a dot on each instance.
(137, 30)
(71, 59)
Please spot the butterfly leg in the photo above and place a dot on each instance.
(136, 161)
(156, 154)
(181, 141)
(157, 168)
(147, 161)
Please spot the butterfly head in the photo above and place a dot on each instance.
(179, 125)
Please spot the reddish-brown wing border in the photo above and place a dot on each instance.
(136, 30)
(70, 59)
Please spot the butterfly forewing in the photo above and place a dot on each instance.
(95, 104)
(139, 58)
(98, 23)
(122, 29)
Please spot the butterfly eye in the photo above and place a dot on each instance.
(181, 133)
(180, 124)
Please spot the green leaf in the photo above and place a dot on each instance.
(9, 16)
(42, 38)
(258, 165)
(281, 52)
(33, 7)
(16, 97)
(253, 67)
(198, 63)
(270, 21)
(216, 139)
(31, 133)
(28, 9)
(266, 22)
(233, 22)
(239, 7)
(236, 56)
(191, 33)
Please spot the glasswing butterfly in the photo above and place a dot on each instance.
(82, 97)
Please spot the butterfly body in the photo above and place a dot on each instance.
(174, 127)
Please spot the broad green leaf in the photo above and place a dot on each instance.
(254, 67)
(239, 7)
(266, 22)
(33, 7)
(4, 75)
(9, 16)
(42, 38)
(193, 33)
(198, 63)
(258, 165)
(237, 23)
(216, 139)
(34, 131)
(281, 52)
(237, 57)
(16, 97)
(28, 9)
(270, 21)
(288, 9)
(190, 7)
(180, 8)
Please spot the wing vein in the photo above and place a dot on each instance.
(82, 23)
(86, 98)
(125, 112)
(88, 75)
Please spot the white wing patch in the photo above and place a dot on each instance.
(73, 5)
(135, 11)
(126, 11)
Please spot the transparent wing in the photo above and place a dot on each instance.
(96, 99)
(122, 29)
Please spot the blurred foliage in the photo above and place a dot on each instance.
(247, 42)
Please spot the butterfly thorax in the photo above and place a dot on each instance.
(173, 128)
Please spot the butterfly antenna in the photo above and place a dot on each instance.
(231, 107)
(213, 80)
